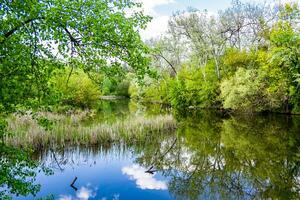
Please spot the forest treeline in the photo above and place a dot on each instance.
(63, 55)
(244, 58)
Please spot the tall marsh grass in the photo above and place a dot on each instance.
(70, 130)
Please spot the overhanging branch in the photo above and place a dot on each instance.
(12, 31)
(165, 59)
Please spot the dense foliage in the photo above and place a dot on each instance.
(243, 58)
(37, 37)
(75, 90)
(246, 58)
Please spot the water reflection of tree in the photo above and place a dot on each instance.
(18, 172)
(112, 111)
(234, 158)
(58, 159)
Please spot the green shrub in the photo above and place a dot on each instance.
(133, 90)
(122, 89)
(157, 91)
(106, 86)
(178, 94)
(285, 54)
(254, 90)
(78, 89)
(197, 87)
(153, 90)
(233, 59)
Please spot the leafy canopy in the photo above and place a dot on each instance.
(97, 34)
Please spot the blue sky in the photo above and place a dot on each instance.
(210, 5)
(161, 10)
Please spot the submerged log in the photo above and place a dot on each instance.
(73, 182)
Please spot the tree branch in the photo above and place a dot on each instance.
(12, 31)
(173, 68)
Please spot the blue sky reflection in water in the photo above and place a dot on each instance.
(100, 175)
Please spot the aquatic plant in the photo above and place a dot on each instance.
(71, 129)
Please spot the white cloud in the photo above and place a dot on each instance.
(83, 193)
(156, 27)
(65, 197)
(149, 5)
(143, 180)
(159, 23)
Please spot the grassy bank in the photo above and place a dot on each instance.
(51, 129)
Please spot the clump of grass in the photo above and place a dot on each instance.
(67, 130)
(75, 116)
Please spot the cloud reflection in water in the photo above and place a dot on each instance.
(143, 180)
(83, 193)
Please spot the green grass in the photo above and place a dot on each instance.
(71, 130)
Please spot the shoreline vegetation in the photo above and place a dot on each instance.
(113, 97)
(243, 59)
(63, 130)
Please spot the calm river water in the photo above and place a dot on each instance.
(209, 156)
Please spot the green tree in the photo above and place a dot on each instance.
(285, 49)
(75, 90)
(196, 87)
(98, 34)
(254, 90)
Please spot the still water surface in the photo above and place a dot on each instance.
(209, 156)
(101, 174)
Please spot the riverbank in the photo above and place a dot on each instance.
(112, 97)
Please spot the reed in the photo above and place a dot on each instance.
(68, 130)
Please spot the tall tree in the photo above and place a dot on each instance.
(97, 34)
(202, 32)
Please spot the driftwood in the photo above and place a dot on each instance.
(151, 170)
(73, 182)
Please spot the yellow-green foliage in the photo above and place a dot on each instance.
(254, 90)
(154, 90)
(234, 59)
(78, 89)
(157, 91)
(122, 88)
(195, 87)
(198, 87)
(116, 85)
(266, 80)
(133, 90)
